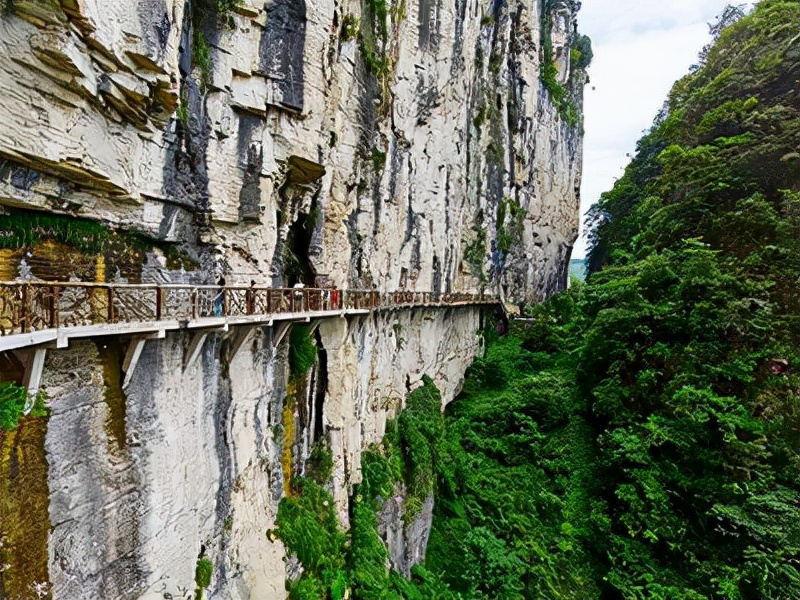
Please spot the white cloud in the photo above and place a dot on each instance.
(640, 48)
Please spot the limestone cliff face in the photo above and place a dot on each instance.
(302, 139)
(401, 145)
(196, 459)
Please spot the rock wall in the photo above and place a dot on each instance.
(403, 145)
(362, 141)
(190, 460)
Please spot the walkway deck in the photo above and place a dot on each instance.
(35, 313)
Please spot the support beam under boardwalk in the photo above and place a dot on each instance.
(134, 352)
(33, 361)
(194, 349)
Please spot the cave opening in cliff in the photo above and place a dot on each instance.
(300, 205)
(297, 267)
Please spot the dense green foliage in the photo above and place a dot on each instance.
(12, 405)
(13, 401)
(640, 439)
(202, 574)
(419, 428)
(515, 511)
(302, 350)
(720, 159)
(308, 526)
(334, 561)
(320, 463)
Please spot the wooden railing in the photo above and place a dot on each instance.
(33, 306)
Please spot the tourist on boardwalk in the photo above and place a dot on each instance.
(335, 298)
(219, 299)
(298, 297)
(250, 297)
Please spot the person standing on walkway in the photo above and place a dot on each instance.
(250, 297)
(219, 299)
(335, 298)
(299, 295)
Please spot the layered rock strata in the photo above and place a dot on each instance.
(366, 143)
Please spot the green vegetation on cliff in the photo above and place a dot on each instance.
(335, 561)
(563, 95)
(13, 404)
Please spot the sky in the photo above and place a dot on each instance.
(641, 47)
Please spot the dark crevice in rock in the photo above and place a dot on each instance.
(356, 250)
(251, 161)
(297, 266)
(185, 172)
(298, 219)
(411, 216)
(281, 52)
(436, 278)
(429, 24)
(457, 57)
(22, 178)
(320, 390)
(427, 98)
(155, 23)
(217, 382)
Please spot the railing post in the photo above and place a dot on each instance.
(24, 312)
(194, 303)
(224, 293)
(110, 298)
(269, 301)
(52, 317)
(159, 302)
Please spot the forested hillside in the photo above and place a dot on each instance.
(641, 439)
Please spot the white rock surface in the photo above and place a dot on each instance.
(200, 467)
(415, 160)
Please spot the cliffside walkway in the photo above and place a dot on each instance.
(41, 315)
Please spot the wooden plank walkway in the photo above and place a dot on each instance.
(35, 313)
